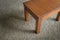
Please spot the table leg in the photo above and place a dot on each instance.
(38, 25)
(26, 15)
(58, 17)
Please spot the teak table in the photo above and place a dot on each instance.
(41, 10)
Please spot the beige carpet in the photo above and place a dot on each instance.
(13, 26)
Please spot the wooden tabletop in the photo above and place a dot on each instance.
(40, 7)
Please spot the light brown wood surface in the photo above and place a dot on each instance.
(41, 10)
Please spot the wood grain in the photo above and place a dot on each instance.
(42, 9)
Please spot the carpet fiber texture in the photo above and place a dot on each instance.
(14, 27)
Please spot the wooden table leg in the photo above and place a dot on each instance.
(38, 25)
(26, 15)
(58, 17)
